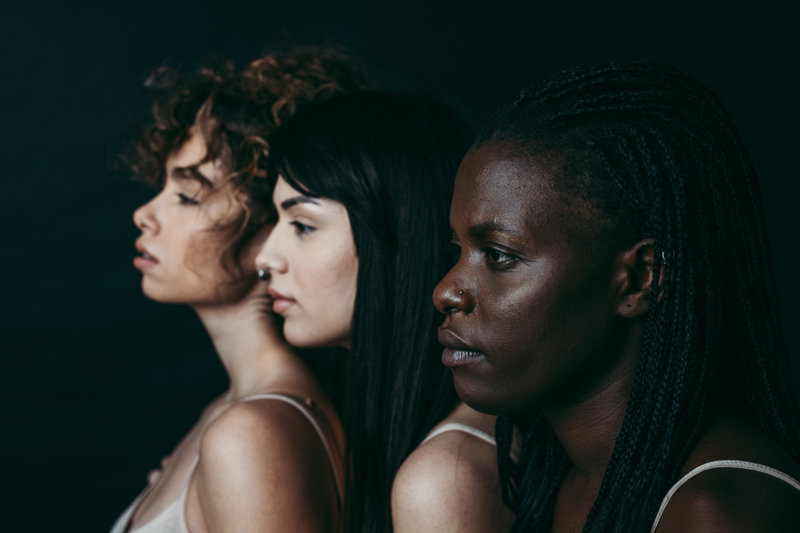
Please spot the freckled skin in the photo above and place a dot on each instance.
(545, 318)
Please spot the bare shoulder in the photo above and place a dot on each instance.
(450, 483)
(730, 499)
(256, 423)
(263, 463)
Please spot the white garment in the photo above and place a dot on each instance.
(453, 426)
(742, 465)
(173, 518)
(475, 432)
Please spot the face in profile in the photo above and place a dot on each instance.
(530, 305)
(313, 266)
(182, 249)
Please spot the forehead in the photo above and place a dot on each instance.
(495, 184)
(193, 151)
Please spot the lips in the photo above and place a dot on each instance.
(280, 303)
(457, 352)
(144, 259)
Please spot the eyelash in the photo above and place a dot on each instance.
(500, 263)
(185, 200)
(302, 229)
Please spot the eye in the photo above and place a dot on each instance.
(302, 229)
(186, 200)
(499, 259)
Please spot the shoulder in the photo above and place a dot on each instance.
(450, 483)
(262, 463)
(732, 499)
(260, 431)
(728, 499)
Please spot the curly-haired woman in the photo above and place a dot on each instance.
(268, 451)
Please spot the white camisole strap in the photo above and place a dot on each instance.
(300, 406)
(453, 426)
(742, 465)
(475, 432)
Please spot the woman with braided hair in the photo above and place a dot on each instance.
(266, 455)
(614, 303)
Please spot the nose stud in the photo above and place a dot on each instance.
(461, 293)
(263, 274)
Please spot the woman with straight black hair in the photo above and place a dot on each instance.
(614, 302)
(362, 188)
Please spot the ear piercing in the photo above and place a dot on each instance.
(263, 274)
(461, 293)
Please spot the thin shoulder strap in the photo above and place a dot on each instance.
(300, 406)
(475, 432)
(741, 465)
(453, 426)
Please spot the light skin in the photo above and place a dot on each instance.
(313, 266)
(262, 465)
(448, 484)
(554, 319)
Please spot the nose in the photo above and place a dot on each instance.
(452, 294)
(145, 217)
(271, 257)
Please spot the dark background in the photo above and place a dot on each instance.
(97, 382)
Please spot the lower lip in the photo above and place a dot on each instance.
(280, 305)
(451, 357)
(142, 262)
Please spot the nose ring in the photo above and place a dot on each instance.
(263, 274)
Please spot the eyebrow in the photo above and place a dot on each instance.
(189, 173)
(480, 230)
(300, 199)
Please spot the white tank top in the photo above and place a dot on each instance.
(173, 519)
(742, 465)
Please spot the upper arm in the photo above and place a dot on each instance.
(263, 466)
(449, 484)
(726, 500)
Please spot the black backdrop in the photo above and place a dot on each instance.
(98, 383)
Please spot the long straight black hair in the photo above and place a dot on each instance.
(391, 160)
(658, 154)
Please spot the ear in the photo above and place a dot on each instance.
(635, 278)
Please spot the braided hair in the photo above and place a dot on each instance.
(657, 154)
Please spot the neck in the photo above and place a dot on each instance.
(587, 424)
(248, 343)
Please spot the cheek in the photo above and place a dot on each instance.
(545, 333)
(328, 284)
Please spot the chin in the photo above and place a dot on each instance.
(301, 339)
(310, 337)
(486, 399)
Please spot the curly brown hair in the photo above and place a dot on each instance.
(235, 111)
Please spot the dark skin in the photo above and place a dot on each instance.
(555, 320)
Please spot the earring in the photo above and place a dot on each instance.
(263, 274)
(461, 293)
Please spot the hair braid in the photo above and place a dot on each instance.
(657, 153)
